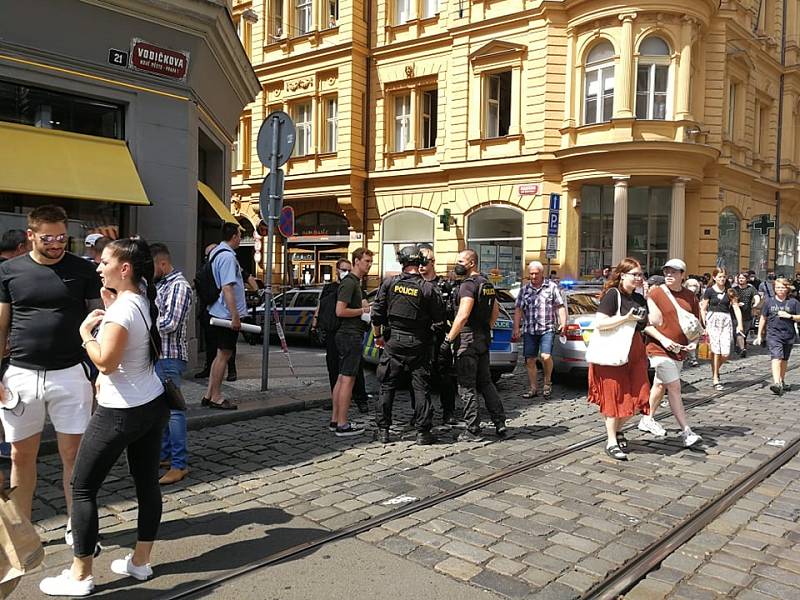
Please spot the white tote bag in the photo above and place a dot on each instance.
(610, 347)
(690, 325)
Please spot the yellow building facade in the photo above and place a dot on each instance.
(667, 128)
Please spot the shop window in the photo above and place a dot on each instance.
(597, 217)
(275, 26)
(303, 128)
(759, 246)
(402, 11)
(321, 223)
(402, 122)
(333, 12)
(498, 104)
(430, 110)
(401, 228)
(648, 226)
(304, 17)
(599, 84)
(53, 110)
(331, 124)
(729, 241)
(652, 79)
(495, 233)
(787, 246)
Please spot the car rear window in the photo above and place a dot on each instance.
(582, 304)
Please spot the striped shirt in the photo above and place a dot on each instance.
(539, 307)
(173, 299)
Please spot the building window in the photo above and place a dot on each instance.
(729, 241)
(235, 164)
(302, 122)
(402, 11)
(652, 78)
(787, 244)
(304, 16)
(333, 12)
(275, 26)
(597, 217)
(733, 88)
(599, 84)
(331, 124)
(762, 130)
(759, 247)
(430, 8)
(498, 104)
(495, 233)
(402, 122)
(401, 228)
(430, 109)
(648, 226)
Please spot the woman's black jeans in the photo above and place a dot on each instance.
(111, 430)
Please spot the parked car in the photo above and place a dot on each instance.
(300, 306)
(569, 356)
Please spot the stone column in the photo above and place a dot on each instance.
(677, 219)
(682, 104)
(569, 80)
(619, 238)
(622, 73)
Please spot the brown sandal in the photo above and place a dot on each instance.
(224, 405)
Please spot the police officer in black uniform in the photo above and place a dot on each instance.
(477, 310)
(404, 310)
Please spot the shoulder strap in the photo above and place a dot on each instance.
(149, 334)
(619, 301)
(669, 295)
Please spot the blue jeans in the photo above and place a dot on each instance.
(533, 343)
(173, 446)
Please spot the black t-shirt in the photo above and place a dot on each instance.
(717, 301)
(350, 293)
(746, 295)
(478, 320)
(778, 328)
(48, 304)
(610, 303)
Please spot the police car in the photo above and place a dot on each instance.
(300, 304)
(569, 356)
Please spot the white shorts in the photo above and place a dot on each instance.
(667, 369)
(65, 393)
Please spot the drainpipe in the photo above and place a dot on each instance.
(780, 136)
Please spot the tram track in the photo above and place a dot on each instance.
(613, 585)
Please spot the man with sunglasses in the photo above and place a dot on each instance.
(44, 297)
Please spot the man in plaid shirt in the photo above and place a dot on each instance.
(536, 309)
(174, 299)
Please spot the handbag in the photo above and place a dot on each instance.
(172, 392)
(20, 548)
(610, 347)
(690, 325)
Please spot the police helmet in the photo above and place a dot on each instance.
(411, 255)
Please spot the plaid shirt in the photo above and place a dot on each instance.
(173, 299)
(539, 307)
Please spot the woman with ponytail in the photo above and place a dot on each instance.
(131, 414)
(718, 303)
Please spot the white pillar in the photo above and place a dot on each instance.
(677, 219)
(619, 239)
(623, 92)
(683, 102)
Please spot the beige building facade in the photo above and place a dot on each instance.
(667, 129)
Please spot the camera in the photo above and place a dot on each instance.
(639, 312)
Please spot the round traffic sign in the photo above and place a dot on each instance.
(280, 124)
(264, 200)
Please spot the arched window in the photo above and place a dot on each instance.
(652, 79)
(759, 244)
(787, 248)
(729, 239)
(401, 228)
(495, 233)
(599, 84)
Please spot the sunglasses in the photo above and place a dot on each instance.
(52, 239)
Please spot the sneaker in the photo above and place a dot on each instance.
(383, 436)
(65, 585)
(232, 376)
(786, 386)
(650, 425)
(125, 566)
(470, 436)
(425, 438)
(690, 438)
(348, 430)
(501, 430)
(744, 353)
(332, 426)
(694, 363)
(776, 389)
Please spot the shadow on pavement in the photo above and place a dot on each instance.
(672, 444)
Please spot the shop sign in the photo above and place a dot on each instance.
(529, 189)
(356, 236)
(159, 61)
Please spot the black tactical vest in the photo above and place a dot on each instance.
(404, 310)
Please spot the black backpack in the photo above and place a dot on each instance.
(327, 321)
(204, 283)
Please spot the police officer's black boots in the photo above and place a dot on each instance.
(383, 436)
(425, 438)
(501, 429)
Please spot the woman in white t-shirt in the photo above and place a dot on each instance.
(131, 414)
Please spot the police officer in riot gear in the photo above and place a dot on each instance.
(443, 373)
(476, 312)
(404, 310)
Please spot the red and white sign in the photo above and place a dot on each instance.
(529, 189)
(159, 61)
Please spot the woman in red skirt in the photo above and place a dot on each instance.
(623, 391)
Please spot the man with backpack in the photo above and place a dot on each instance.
(325, 324)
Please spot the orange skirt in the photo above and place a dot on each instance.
(625, 390)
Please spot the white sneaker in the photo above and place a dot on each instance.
(65, 585)
(124, 566)
(690, 438)
(650, 425)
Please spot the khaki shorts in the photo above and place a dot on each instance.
(667, 369)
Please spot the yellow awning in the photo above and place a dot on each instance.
(215, 203)
(45, 162)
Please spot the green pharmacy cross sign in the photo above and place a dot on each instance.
(763, 224)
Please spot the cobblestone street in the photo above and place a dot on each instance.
(262, 485)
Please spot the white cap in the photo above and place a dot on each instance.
(91, 239)
(676, 263)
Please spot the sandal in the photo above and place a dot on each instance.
(547, 390)
(622, 441)
(224, 405)
(530, 394)
(616, 453)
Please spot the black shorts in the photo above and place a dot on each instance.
(779, 349)
(226, 338)
(349, 347)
